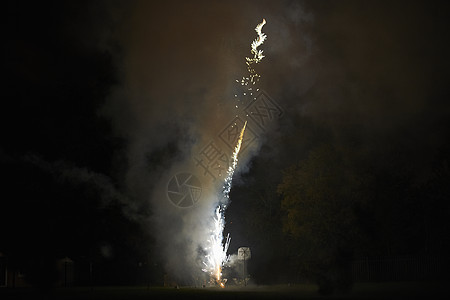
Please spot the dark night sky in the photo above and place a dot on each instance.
(101, 99)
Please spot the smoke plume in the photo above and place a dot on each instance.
(179, 65)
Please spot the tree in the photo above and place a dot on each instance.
(319, 196)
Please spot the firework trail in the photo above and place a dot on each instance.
(230, 172)
(217, 251)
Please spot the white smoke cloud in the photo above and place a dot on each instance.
(178, 69)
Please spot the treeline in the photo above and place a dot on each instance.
(315, 201)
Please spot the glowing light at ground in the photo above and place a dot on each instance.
(217, 255)
(217, 252)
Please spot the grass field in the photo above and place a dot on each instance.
(406, 290)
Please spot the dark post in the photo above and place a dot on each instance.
(90, 274)
(65, 272)
(245, 280)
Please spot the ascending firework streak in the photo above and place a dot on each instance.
(217, 256)
(217, 252)
(230, 172)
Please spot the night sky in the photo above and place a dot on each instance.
(104, 102)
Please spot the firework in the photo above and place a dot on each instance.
(217, 251)
(257, 55)
(230, 172)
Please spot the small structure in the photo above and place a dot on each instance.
(66, 272)
(10, 276)
(244, 254)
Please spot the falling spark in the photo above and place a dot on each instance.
(257, 54)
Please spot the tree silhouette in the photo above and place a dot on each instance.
(319, 197)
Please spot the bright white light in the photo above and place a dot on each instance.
(217, 252)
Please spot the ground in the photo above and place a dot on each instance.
(406, 290)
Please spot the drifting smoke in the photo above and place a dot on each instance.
(368, 73)
(176, 97)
